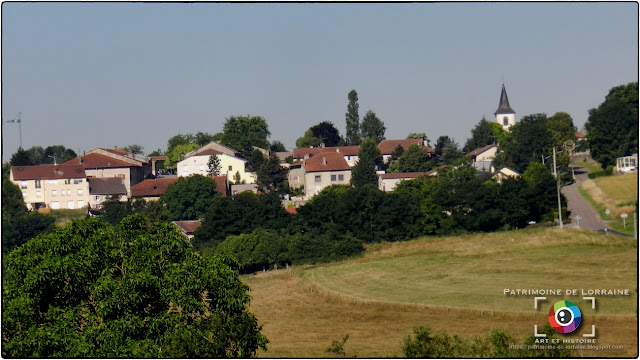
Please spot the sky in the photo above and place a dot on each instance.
(89, 75)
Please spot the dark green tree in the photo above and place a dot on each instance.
(241, 133)
(414, 159)
(214, 165)
(189, 198)
(484, 133)
(255, 160)
(180, 139)
(612, 127)
(21, 158)
(271, 176)
(327, 133)
(203, 138)
(113, 210)
(353, 120)
(308, 140)
(372, 127)
(277, 146)
(364, 171)
(87, 291)
(156, 211)
(135, 149)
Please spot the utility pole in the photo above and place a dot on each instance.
(555, 173)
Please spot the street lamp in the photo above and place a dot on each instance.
(18, 119)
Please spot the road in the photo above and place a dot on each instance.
(590, 219)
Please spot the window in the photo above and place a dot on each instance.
(333, 178)
(230, 167)
(68, 192)
(505, 120)
(317, 178)
(201, 167)
(79, 191)
(38, 194)
(340, 177)
(54, 193)
(54, 182)
(23, 184)
(80, 204)
(67, 181)
(24, 194)
(97, 197)
(38, 184)
(186, 169)
(70, 204)
(77, 181)
(62, 193)
(55, 205)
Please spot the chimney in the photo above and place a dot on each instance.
(79, 160)
(324, 161)
(322, 144)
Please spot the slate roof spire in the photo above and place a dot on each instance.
(504, 107)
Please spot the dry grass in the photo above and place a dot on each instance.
(300, 323)
(301, 317)
(623, 189)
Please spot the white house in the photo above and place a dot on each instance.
(231, 166)
(627, 164)
(325, 169)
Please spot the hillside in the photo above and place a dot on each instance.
(454, 284)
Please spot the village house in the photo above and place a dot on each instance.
(109, 163)
(350, 153)
(627, 164)
(483, 158)
(503, 173)
(102, 188)
(187, 227)
(388, 182)
(325, 169)
(231, 166)
(388, 146)
(152, 189)
(54, 186)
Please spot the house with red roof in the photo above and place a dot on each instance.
(350, 153)
(109, 163)
(187, 227)
(325, 169)
(152, 189)
(388, 146)
(102, 188)
(56, 186)
(231, 166)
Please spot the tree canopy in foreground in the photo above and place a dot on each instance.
(138, 291)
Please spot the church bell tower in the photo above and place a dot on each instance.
(505, 115)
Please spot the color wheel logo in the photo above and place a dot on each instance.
(564, 316)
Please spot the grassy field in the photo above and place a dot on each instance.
(454, 284)
(66, 216)
(589, 165)
(618, 194)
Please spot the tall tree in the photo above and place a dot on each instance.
(414, 159)
(271, 176)
(255, 160)
(364, 171)
(447, 150)
(327, 133)
(177, 154)
(372, 127)
(353, 120)
(308, 140)
(277, 146)
(139, 291)
(422, 136)
(612, 127)
(484, 133)
(21, 158)
(214, 165)
(180, 139)
(241, 133)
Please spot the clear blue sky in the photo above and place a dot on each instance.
(89, 75)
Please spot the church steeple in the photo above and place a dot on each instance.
(505, 115)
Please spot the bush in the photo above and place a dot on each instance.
(606, 172)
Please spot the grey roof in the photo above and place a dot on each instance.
(504, 107)
(107, 186)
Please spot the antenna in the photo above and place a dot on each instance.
(18, 119)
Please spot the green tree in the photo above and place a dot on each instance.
(308, 140)
(177, 154)
(422, 136)
(483, 134)
(327, 133)
(446, 150)
(189, 198)
(612, 127)
(180, 139)
(203, 138)
(156, 211)
(353, 120)
(364, 171)
(372, 127)
(21, 158)
(135, 149)
(271, 176)
(241, 133)
(255, 160)
(214, 165)
(139, 291)
(277, 146)
(113, 210)
(414, 159)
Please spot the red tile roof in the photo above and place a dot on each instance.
(48, 171)
(343, 150)
(152, 187)
(410, 175)
(387, 146)
(292, 210)
(157, 187)
(187, 226)
(158, 158)
(207, 152)
(326, 161)
(579, 135)
(119, 151)
(99, 161)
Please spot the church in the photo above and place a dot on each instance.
(505, 115)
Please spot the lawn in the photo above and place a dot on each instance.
(618, 194)
(454, 284)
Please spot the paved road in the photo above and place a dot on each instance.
(590, 219)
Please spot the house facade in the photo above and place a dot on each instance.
(325, 169)
(102, 188)
(152, 189)
(53, 186)
(388, 146)
(231, 166)
(388, 182)
(350, 153)
(627, 164)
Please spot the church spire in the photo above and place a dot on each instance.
(504, 107)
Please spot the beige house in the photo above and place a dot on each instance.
(388, 182)
(54, 186)
(484, 153)
(109, 163)
(102, 188)
(388, 146)
(325, 169)
(350, 153)
(503, 173)
(231, 166)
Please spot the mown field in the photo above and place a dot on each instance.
(618, 193)
(454, 284)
